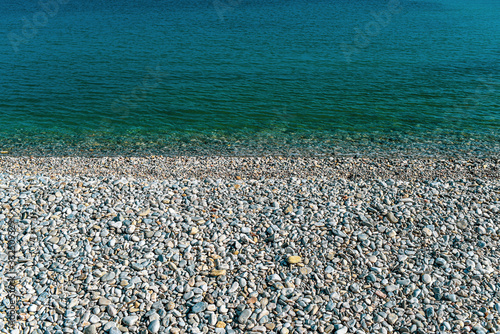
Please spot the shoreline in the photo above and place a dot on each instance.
(158, 167)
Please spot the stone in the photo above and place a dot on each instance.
(144, 212)
(305, 270)
(154, 326)
(294, 259)
(342, 330)
(91, 329)
(426, 278)
(220, 324)
(391, 288)
(392, 318)
(245, 314)
(170, 305)
(88, 261)
(130, 321)
(104, 302)
(199, 307)
(216, 272)
(114, 330)
(54, 240)
(390, 216)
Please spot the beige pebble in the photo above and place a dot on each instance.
(294, 259)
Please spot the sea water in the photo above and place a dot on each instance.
(250, 77)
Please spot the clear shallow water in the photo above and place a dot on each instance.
(243, 77)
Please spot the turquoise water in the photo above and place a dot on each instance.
(250, 77)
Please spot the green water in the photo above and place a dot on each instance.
(251, 77)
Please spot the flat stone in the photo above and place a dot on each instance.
(144, 212)
(108, 277)
(199, 307)
(90, 330)
(294, 259)
(217, 272)
(54, 240)
(114, 330)
(305, 270)
(242, 319)
(362, 236)
(103, 301)
(130, 320)
(391, 288)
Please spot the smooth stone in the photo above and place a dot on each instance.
(199, 307)
(274, 278)
(219, 272)
(170, 305)
(104, 302)
(427, 231)
(343, 330)
(114, 330)
(90, 330)
(111, 310)
(108, 325)
(390, 216)
(294, 259)
(108, 277)
(130, 320)
(391, 288)
(244, 316)
(144, 212)
(220, 324)
(54, 240)
(154, 326)
(362, 237)
(392, 318)
(94, 319)
(355, 287)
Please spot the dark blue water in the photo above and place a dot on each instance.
(250, 76)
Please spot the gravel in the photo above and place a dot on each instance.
(249, 245)
(160, 167)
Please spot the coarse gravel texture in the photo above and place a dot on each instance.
(159, 167)
(249, 245)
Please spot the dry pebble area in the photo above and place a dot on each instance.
(249, 245)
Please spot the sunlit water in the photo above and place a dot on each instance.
(250, 76)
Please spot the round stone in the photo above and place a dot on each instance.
(426, 278)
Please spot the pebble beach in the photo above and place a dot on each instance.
(249, 245)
